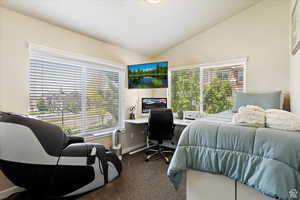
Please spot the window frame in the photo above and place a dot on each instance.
(241, 75)
(93, 63)
(227, 63)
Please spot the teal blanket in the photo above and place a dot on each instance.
(265, 159)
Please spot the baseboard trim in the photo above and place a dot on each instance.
(10, 191)
(133, 148)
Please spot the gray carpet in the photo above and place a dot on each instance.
(140, 180)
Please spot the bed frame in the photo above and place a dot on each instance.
(205, 186)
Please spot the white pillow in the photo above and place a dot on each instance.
(281, 119)
(255, 108)
(250, 115)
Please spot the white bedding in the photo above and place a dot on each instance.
(280, 119)
(250, 115)
(277, 119)
(226, 117)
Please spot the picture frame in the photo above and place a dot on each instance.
(295, 28)
(148, 75)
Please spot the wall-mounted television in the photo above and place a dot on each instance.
(148, 75)
(153, 103)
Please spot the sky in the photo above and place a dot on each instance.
(147, 66)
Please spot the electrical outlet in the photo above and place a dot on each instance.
(131, 135)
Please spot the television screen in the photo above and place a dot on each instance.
(150, 75)
(152, 103)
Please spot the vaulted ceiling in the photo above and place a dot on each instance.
(148, 29)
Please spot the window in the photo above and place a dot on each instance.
(81, 97)
(207, 88)
(222, 82)
(185, 90)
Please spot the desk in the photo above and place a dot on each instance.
(144, 121)
(177, 122)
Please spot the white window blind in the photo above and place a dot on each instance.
(206, 88)
(79, 96)
(103, 99)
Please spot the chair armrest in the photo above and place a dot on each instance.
(80, 154)
(75, 139)
(76, 150)
(82, 150)
(173, 129)
(88, 150)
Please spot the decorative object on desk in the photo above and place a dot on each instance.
(180, 114)
(191, 115)
(132, 109)
(116, 143)
(295, 29)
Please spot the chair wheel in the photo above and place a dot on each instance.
(147, 160)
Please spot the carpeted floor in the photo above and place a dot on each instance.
(139, 180)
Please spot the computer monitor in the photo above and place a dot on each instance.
(152, 103)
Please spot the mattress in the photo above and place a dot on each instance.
(263, 158)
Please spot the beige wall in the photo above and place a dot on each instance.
(17, 30)
(259, 32)
(294, 77)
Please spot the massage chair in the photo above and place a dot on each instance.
(41, 158)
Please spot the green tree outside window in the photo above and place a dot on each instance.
(185, 90)
(217, 96)
(216, 90)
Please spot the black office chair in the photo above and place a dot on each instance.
(160, 128)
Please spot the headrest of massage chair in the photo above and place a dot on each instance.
(51, 137)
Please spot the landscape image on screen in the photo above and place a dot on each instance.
(153, 103)
(150, 75)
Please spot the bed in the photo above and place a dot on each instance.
(229, 162)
